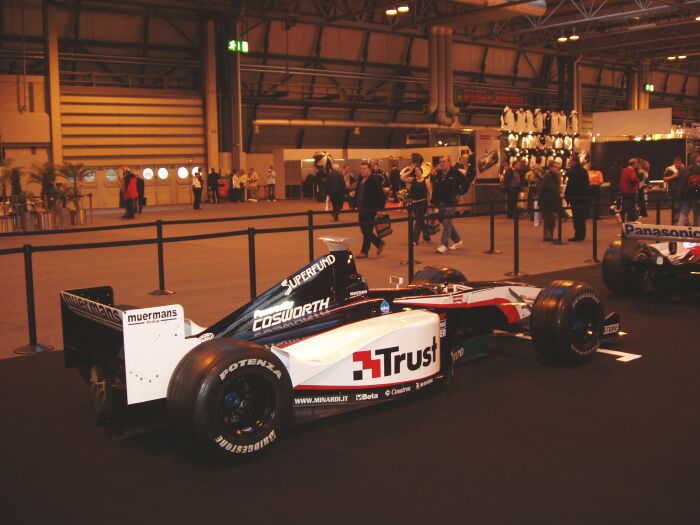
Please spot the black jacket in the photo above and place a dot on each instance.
(335, 184)
(140, 187)
(370, 195)
(445, 186)
(578, 189)
(213, 180)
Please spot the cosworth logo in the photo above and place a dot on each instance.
(307, 273)
(386, 362)
(287, 312)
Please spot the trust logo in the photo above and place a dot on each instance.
(365, 357)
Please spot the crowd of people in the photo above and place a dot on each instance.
(541, 187)
(238, 185)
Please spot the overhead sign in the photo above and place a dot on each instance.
(632, 123)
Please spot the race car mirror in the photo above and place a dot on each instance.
(398, 281)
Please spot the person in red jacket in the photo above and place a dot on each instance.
(130, 194)
(629, 187)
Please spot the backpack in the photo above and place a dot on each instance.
(693, 186)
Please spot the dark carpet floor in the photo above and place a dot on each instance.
(511, 440)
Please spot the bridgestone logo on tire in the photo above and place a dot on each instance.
(245, 449)
(251, 362)
(583, 296)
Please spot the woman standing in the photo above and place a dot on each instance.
(420, 193)
(197, 184)
(549, 198)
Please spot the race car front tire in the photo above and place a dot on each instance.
(624, 278)
(567, 322)
(434, 275)
(234, 397)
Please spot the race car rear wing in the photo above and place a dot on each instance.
(658, 233)
(145, 344)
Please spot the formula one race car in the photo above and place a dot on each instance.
(653, 258)
(318, 343)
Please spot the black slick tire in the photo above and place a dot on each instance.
(622, 278)
(434, 275)
(567, 322)
(233, 397)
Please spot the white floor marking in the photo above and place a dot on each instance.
(623, 357)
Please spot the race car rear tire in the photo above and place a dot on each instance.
(619, 277)
(433, 275)
(234, 397)
(567, 322)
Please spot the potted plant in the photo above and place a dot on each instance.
(75, 174)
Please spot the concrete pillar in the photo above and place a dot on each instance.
(644, 78)
(238, 157)
(53, 88)
(578, 87)
(210, 102)
(633, 88)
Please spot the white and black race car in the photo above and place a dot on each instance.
(653, 258)
(318, 343)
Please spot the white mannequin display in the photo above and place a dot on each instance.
(507, 119)
(573, 122)
(543, 161)
(512, 141)
(559, 161)
(555, 123)
(558, 143)
(524, 142)
(568, 142)
(550, 141)
(520, 121)
(538, 121)
(528, 121)
(533, 162)
(577, 143)
(562, 123)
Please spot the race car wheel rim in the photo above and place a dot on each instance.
(585, 325)
(247, 405)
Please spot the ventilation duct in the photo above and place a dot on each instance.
(492, 11)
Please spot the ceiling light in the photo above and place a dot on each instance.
(672, 58)
(391, 12)
(681, 57)
(574, 35)
(697, 18)
(562, 38)
(402, 9)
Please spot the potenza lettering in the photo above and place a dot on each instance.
(98, 312)
(635, 230)
(287, 312)
(307, 273)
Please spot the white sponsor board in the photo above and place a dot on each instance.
(634, 230)
(154, 342)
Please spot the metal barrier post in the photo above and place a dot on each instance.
(559, 221)
(33, 347)
(516, 245)
(251, 262)
(594, 259)
(658, 211)
(492, 225)
(410, 242)
(161, 263)
(310, 221)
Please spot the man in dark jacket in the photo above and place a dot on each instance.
(141, 189)
(688, 193)
(213, 185)
(370, 198)
(335, 188)
(445, 191)
(512, 184)
(395, 181)
(578, 195)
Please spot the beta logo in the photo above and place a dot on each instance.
(386, 362)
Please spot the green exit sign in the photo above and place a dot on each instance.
(649, 88)
(238, 46)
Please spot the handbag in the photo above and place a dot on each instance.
(382, 224)
(432, 222)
